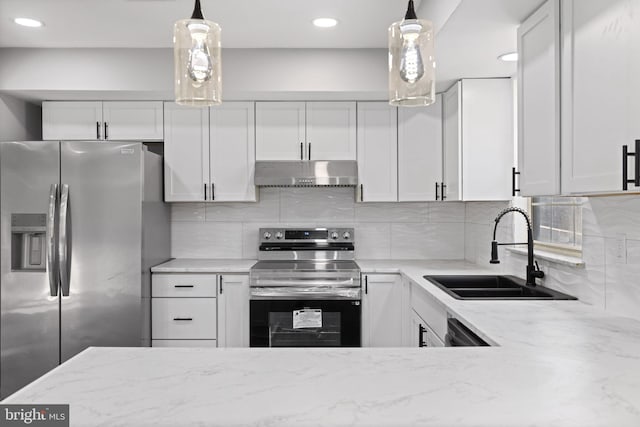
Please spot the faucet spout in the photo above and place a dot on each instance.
(533, 271)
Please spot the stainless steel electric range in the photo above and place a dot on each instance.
(305, 289)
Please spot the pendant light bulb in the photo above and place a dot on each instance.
(197, 55)
(411, 61)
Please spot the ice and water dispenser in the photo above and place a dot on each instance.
(28, 242)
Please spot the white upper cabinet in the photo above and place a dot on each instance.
(62, 120)
(451, 187)
(420, 152)
(109, 120)
(305, 131)
(139, 121)
(209, 153)
(539, 102)
(600, 87)
(232, 152)
(478, 140)
(377, 152)
(280, 131)
(186, 153)
(331, 130)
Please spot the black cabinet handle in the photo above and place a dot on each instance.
(183, 319)
(106, 130)
(437, 190)
(220, 285)
(443, 186)
(514, 190)
(205, 191)
(309, 151)
(625, 170)
(301, 151)
(366, 284)
(421, 332)
(183, 286)
(362, 192)
(97, 130)
(213, 191)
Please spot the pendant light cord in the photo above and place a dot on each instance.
(197, 11)
(411, 13)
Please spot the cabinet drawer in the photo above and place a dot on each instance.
(183, 343)
(184, 285)
(183, 318)
(429, 309)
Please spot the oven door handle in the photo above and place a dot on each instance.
(351, 282)
(308, 292)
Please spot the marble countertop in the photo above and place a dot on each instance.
(196, 265)
(557, 363)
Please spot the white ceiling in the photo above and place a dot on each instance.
(470, 33)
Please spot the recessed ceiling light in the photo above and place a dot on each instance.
(509, 57)
(28, 22)
(325, 22)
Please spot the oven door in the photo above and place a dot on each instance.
(305, 323)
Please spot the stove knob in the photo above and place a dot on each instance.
(266, 235)
(279, 235)
(334, 235)
(346, 235)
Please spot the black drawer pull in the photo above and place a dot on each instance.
(636, 175)
(183, 286)
(183, 319)
(514, 190)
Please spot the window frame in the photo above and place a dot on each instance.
(558, 248)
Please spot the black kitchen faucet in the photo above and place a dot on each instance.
(533, 271)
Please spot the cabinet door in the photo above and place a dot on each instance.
(186, 153)
(331, 130)
(280, 131)
(382, 311)
(71, 120)
(139, 120)
(600, 86)
(452, 143)
(419, 152)
(377, 152)
(232, 152)
(488, 141)
(233, 310)
(539, 102)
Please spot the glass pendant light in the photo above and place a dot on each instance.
(197, 56)
(412, 81)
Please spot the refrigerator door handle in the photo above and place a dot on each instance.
(64, 241)
(52, 268)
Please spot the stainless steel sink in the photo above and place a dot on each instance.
(493, 287)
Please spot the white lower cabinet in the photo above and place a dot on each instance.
(200, 310)
(233, 310)
(432, 314)
(382, 310)
(422, 334)
(184, 310)
(183, 318)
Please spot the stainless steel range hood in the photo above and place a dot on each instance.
(314, 173)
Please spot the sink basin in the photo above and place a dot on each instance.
(493, 287)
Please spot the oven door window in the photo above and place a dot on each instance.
(284, 332)
(323, 323)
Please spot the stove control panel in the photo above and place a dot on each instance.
(306, 234)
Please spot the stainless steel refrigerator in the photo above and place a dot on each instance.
(81, 223)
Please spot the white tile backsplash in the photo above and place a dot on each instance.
(383, 230)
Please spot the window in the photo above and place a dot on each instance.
(557, 223)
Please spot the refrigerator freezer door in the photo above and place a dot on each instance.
(103, 306)
(29, 323)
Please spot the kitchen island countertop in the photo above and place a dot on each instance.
(557, 363)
